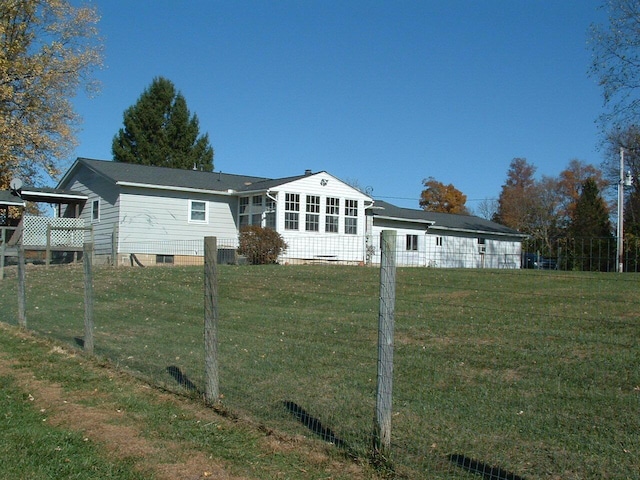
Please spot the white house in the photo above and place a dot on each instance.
(432, 239)
(162, 214)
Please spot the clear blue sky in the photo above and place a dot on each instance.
(381, 93)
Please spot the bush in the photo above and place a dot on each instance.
(260, 245)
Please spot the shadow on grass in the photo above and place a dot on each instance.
(313, 424)
(182, 379)
(485, 471)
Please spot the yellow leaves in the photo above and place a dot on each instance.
(48, 48)
(438, 197)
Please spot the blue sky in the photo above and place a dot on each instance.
(382, 93)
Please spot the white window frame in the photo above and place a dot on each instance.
(292, 211)
(192, 211)
(312, 218)
(332, 215)
(350, 217)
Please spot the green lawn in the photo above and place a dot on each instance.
(537, 373)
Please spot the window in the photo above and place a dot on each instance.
(332, 212)
(198, 211)
(95, 211)
(438, 241)
(160, 259)
(270, 214)
(312, 220)
(351, 217)
(291, 209)
(412, 242)
(256, 210)
(243, 211)
(482, 247)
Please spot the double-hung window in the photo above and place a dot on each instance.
(197, 211)
(332, 214)
(412, 242)
(256, 210)
(312, 219)
(351, 217)
(291, 211)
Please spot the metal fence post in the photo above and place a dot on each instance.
(382, 439)
(211, 374)
(87, 255)
(22, 287)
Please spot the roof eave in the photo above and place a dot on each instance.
(404, 219)
(229, 192)
(482, 232)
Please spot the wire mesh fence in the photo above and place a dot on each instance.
(505, 373)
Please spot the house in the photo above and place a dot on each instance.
(433, 239)
(161, 215)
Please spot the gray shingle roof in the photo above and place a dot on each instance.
(169, 177)
(7, 198)
(446, 221)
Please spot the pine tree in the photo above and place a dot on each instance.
(159, 130)
(591, 230)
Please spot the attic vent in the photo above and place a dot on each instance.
(247, 184)
(307, 172)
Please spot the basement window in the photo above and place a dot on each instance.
(164, 259)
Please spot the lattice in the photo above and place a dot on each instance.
(35, 231)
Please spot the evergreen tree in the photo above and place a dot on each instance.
(159, 130)
(591, 230)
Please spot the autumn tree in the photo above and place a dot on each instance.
(515, 203)
(48, 50)
(570, 184)
(438, 197)
(160, 130)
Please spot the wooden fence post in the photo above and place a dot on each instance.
(87, 259)
(3, 247)
(22, 287)
(211, 374)
(384, 389)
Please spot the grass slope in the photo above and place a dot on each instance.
(527, 372)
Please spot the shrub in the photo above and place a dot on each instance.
(260, 245)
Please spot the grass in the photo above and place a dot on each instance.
(535, 372)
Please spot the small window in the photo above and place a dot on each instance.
(164, 259)
(438, 241)
(412, 242)
(95, 211)
(198, 211)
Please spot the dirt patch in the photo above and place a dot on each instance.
(115, 430)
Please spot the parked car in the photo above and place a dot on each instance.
(537, 261)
